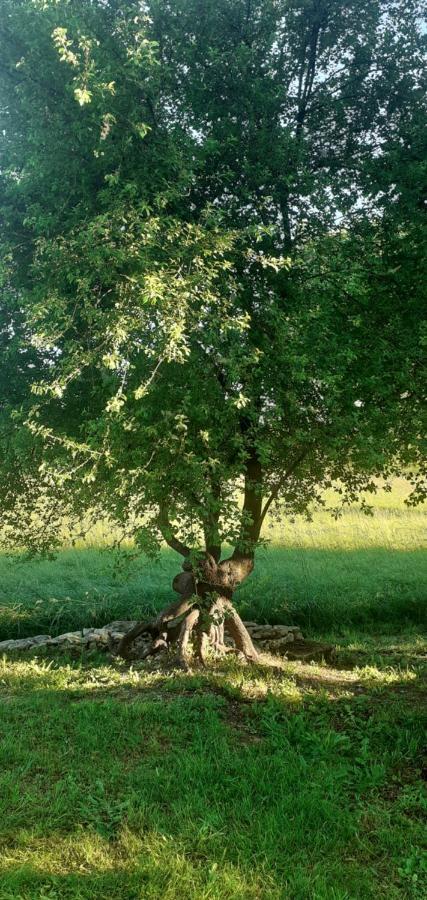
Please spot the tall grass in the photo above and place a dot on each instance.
(322, 575)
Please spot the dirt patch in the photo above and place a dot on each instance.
(310, 651)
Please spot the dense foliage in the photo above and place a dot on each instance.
(211, 260)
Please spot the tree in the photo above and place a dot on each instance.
(212, 271)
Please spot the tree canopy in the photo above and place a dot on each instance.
(212, 268)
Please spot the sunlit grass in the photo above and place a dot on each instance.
(283, 782)
(232, 783)
(394, 525)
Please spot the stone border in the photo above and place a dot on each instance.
(274, 638)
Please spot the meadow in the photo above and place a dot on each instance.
(324, 575)
(299, 781)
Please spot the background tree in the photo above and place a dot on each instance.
(212, 271)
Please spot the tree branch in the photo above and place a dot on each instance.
(167, 533)
(210, 526)
(304, 90)
(251, 511)
(275, 492)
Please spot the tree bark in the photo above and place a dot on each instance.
(187, 626)
(204, 607)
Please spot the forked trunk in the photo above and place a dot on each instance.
(204, 611)
(206, 588)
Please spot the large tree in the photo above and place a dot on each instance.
(212, 271)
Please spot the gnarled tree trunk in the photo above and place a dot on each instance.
(206, 587)
(204, 607)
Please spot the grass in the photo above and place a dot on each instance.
(233, 783)
(358, 571)
(320, 590)
(302, 782)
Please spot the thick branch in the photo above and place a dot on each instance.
(276, 490)
(210, 526)
(306, 78)
(167, 533)
(251, 511)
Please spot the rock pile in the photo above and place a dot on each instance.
(283, 640)
(273, 637)
(105, 638)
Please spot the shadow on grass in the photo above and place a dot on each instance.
(235, 783)
(330, 589)
(316, 589)
(98, 677)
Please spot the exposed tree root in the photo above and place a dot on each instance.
(188, 617)
(239, 632)
(202, 644)
(155, 626)
(204, 610)
(187, 626)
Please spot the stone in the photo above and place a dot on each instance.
(15, 645)
(71, 637)
(261, 634)
(264, 634)
(276, 638)
(275, 635)
(285, 629)
(25, 643)
(281, 643)
(5, 645)
(121, 625)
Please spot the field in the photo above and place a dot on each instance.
(304, 782)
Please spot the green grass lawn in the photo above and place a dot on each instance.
(120, 782)
(304, 782)
(318, 589)
(324, 575)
